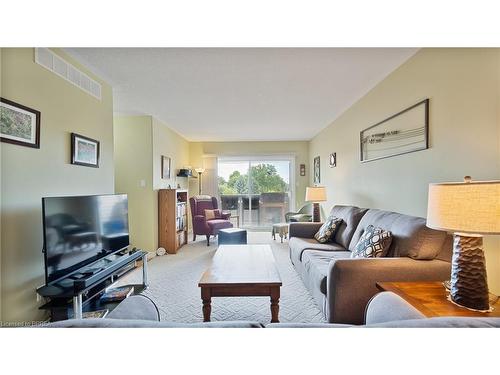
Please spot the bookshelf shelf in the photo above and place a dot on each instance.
(172, 219)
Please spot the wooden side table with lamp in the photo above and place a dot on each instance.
(431, 299)
(469, 209)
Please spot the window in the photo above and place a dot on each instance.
(259, 190)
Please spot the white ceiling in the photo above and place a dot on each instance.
(234, 94)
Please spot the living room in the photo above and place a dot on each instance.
(229, 187)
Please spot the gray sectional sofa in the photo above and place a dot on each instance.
(341, 285)
(384, 310)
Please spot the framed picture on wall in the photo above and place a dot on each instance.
(406, 131)
(302, 169)
(165, 167)
(19, 125)
(333, 160)
(317, 177)
(84, 151)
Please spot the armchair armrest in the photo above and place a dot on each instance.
(225, 215)
(352, 282)
(288, 214)
(303, 229)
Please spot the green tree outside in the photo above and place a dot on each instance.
(264, 178)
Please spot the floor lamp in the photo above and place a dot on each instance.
(200, 172)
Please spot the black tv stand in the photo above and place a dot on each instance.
(82, 288)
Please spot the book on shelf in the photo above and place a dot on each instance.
(95, 314)
(117, 294)
(181, 209)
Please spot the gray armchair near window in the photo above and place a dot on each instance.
(304, 214)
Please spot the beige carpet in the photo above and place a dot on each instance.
(174, 287)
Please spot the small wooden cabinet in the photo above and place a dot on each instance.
(172, 219)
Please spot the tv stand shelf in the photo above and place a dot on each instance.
(79, 291)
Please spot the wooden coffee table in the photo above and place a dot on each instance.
(241, 271)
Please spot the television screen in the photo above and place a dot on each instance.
(80, 230)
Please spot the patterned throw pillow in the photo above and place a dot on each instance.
(212, 214)
(327, 231)
(374, 243)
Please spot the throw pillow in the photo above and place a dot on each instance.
(373, 243)
(212, 214)
(327, 231)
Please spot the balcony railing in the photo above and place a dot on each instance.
(257, 210)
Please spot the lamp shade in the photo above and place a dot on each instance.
(465, 207)
(316, 194)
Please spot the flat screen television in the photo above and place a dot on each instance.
(82, 229)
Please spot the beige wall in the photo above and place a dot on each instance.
(140, 141)
(300, 149)
(133, 142)
(29, 174)
(463, 86)
(168, 143)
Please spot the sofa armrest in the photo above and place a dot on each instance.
(304, 230)
(352, 282)
(137, 307)
(389, 307)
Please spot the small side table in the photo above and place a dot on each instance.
(430, 298)
(281, 229)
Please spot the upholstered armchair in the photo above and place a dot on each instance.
(207, 226)
(305, 214)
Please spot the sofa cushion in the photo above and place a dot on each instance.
(299, 245)
(218, 224)
(327, 231)
(350, 216)
(127, 323)
(373, 243)
(316, 265)
(410, 236)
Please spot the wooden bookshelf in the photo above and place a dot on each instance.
(172, 219)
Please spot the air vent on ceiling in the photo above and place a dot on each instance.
(59, 66)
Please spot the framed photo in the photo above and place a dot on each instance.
(317, 177)
(19, 124)
(406, 131)
(302, 169)
(165, 167)
(332, 162)
(84, 151)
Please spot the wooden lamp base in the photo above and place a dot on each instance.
(468, 284)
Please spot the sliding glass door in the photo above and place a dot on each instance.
(258, 190)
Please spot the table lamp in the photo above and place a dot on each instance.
(469, 209)
(200, 172)
(316, 194)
